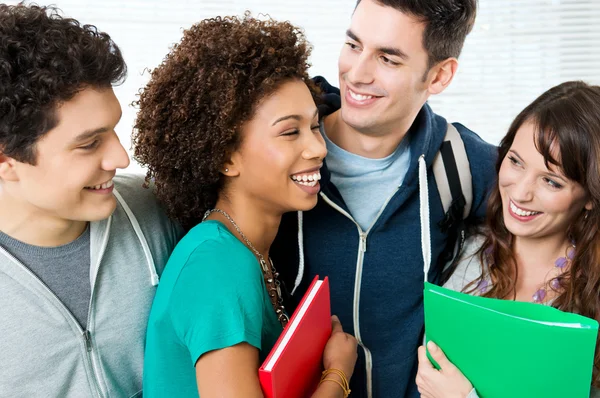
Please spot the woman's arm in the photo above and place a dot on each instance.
(229, 372)
(233, 371)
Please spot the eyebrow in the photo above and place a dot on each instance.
(295, 117)
(87, 134)
(386, 50)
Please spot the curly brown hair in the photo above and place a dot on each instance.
(568, 117)
(207, 87)
(46, 59)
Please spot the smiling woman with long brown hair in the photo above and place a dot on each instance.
(541, 241)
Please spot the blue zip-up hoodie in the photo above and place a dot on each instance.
(376, 276)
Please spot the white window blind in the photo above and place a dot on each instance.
(517, 50)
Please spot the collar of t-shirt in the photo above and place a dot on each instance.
(366, 184)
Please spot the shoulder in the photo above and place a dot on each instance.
(131, 188)
(161, 233)
(469, 267)
(477, 149)
(143, 203)
(212, 249)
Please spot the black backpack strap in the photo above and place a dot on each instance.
(454, 183)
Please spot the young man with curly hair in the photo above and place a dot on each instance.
(364, 231)
(80, 248)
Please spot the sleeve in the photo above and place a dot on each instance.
(473, 394)
(468, 268)
(482, 160)
(218, 300)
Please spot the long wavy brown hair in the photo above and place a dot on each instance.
(566, 117)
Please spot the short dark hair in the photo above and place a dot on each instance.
(447, 24)
(197, 101)
(45, 59)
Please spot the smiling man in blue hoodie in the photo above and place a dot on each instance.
(364, 232)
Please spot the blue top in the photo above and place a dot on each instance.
(365, 184)
(211, 295)
(376, 279)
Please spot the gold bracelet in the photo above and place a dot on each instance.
(345, 391)
(338, 372)
(344, 383)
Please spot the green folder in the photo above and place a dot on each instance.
(512, 349)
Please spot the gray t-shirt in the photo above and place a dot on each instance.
(64, 269)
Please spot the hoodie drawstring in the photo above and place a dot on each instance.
(300, 254)
(424, 215)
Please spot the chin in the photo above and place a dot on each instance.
(307, 205)
(99, 213)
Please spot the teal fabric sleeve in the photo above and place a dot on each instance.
(218, 298)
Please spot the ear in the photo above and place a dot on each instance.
(8, 168)
(441, 75)
(231, 167)
(589, 205)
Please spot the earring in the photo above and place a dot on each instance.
(226, 170)
(587, 213)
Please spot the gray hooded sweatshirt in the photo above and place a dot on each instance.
(44, 352)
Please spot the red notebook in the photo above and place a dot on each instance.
(294, 365)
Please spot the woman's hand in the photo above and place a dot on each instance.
(448, 382)
(340, 351)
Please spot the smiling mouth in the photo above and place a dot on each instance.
(360, 97)
(105, 185)
(308, 179)
(522, 212)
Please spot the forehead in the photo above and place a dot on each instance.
(525, 143)
(89, 109)
(290, 98)
(383, 26)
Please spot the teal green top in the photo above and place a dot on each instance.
(211, 295)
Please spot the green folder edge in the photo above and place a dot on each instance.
(522, 311)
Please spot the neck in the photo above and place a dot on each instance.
(34, 226)
(535, 257)
(369, 144)
(258, 224)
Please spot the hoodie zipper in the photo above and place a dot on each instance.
(362, 249)
(85, 334)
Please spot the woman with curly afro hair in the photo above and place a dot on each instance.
(229, 131)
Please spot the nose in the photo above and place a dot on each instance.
(361, 70)
(314, 147)
(522, 191)
(115, 155)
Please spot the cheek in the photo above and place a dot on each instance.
(271, 160)
(506, 176)
(560, 204)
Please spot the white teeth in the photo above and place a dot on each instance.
(307, 179)
(520, 212)
(359, 97)
(102, 186)
(308, 184)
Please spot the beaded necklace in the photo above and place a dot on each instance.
(560, 266)
(269, 273)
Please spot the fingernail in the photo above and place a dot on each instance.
(431, 346)
(335, 318)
